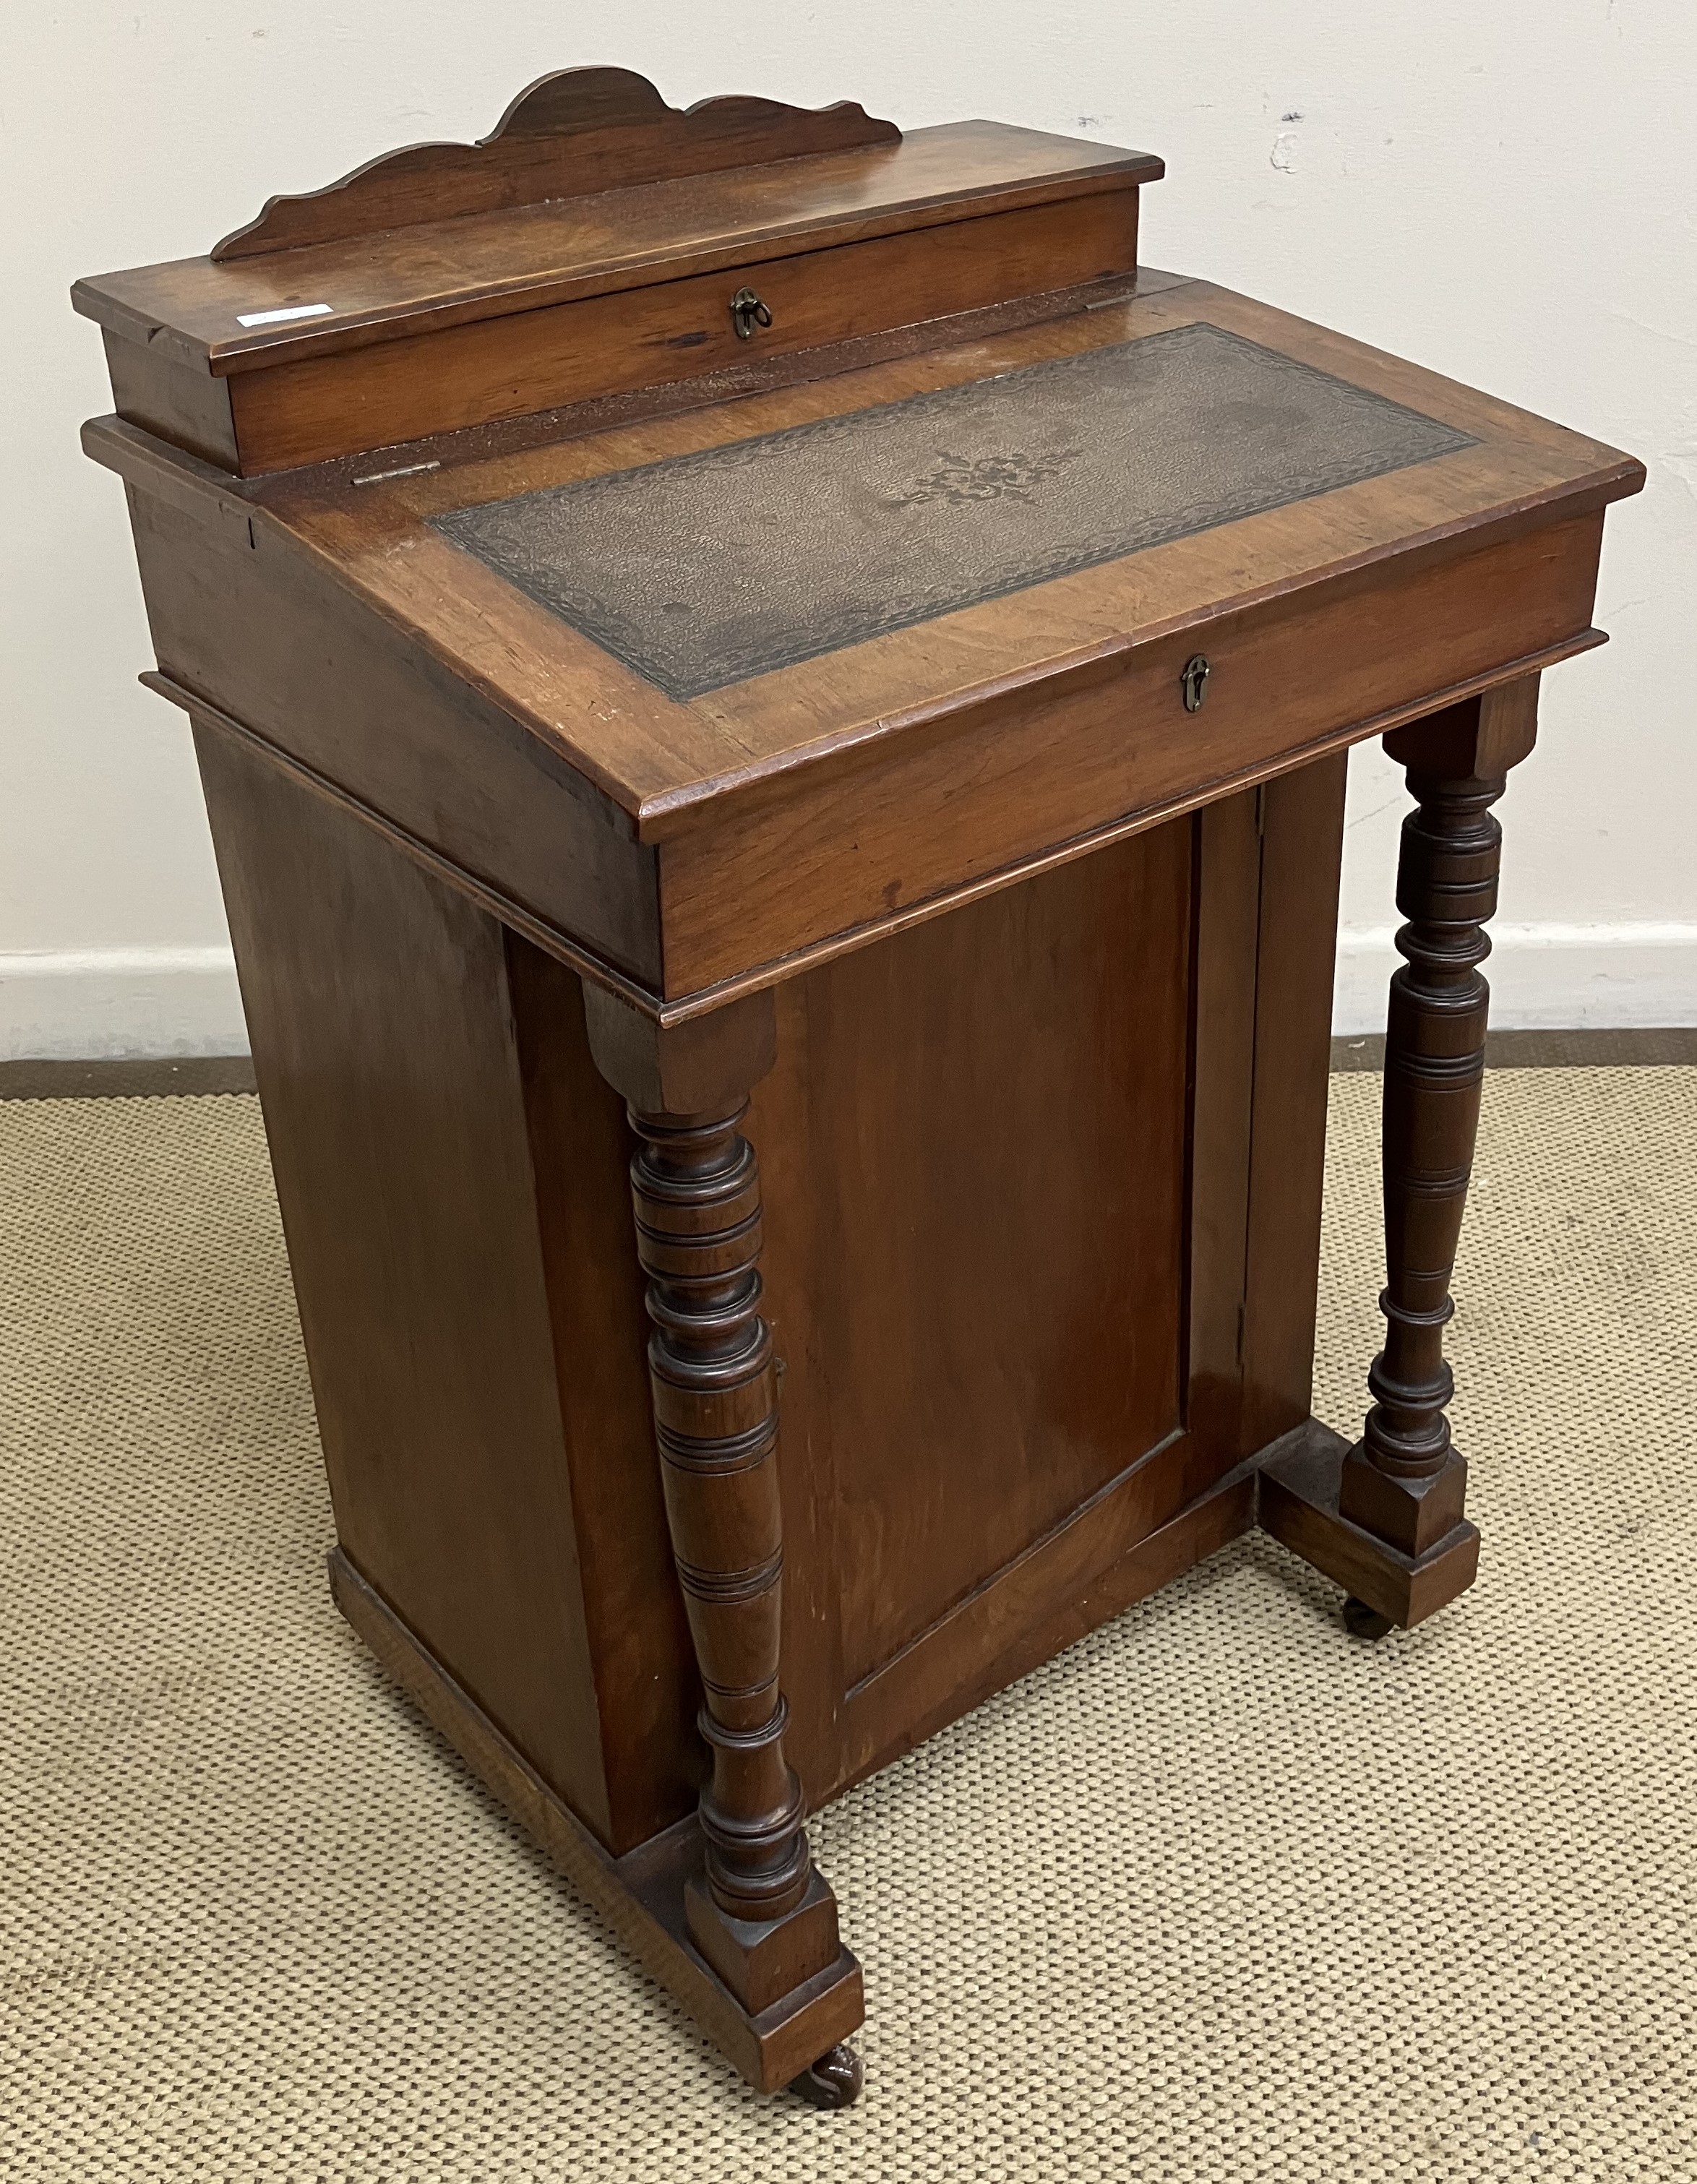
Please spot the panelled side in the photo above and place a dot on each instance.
(1302, 851)
(975, 1147)
(378, 1006)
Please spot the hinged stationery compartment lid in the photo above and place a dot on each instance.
(590, 189)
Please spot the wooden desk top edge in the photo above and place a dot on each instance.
(685, 765)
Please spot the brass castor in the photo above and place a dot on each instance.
(833, 2081)
(1364, 1622)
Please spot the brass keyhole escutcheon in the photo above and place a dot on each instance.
(1194, 682)
(748, 312)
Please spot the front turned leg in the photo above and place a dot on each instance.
(1388, 1522)
(695, 1188)
(758, 1911)
(1404, 1481)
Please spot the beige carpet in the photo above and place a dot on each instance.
(1221, 1894)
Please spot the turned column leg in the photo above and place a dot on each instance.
(695, 1187)
(758, 1911)
(1386, 1517)
(1404, 1481)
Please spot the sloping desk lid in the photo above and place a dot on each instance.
(705, 570)
(685, 605)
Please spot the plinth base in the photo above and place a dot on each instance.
(1298, 1504)
(641, 1896)
(1291, 1487)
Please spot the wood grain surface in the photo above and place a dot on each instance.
(383, 1048)
(937, 1017)
(577, 133)
(479, 372)
(442, 273)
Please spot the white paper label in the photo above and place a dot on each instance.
(280, 318)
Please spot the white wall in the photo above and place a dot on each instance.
(1503, 192)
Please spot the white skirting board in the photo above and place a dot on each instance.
(94, 1004)
(119, 1004)
(1627, 976)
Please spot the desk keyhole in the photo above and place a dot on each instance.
(1194, 683)
(748, 312)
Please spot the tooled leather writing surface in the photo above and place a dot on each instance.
(709, 568)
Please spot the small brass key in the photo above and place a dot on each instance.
(748, 312)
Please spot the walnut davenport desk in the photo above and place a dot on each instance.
(773, 712)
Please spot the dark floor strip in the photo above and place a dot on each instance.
(127, 1080)
(197, 1075)
(1673, 1048)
